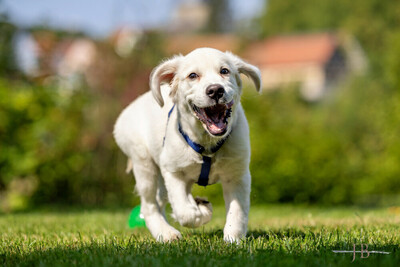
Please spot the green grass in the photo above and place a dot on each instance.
(279, 235)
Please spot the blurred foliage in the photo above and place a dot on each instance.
(7, 59)
(345, 149)
(342, 151)
(53, 144)
(56, 143)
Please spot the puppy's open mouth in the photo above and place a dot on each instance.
(215, 118)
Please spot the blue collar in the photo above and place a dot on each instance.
(197, 147)
(206, 166)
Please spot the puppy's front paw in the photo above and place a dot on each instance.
(168, 235)
(194, 216)
(232, 240)
(234, 236)
(188, 217)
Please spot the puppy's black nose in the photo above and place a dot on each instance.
(215, 91)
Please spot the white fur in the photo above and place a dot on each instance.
(167, 172)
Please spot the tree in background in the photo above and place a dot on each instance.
(7, 60)
(220, 17)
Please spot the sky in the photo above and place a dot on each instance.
(101, 17)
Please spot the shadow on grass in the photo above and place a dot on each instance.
(285, 247)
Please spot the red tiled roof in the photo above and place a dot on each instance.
(309, 48)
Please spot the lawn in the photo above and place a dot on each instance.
(279, 235)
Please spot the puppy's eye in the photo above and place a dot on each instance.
(193, 75)
(224, 71)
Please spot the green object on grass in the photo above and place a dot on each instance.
(136, 219)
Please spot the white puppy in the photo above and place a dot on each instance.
(191, 129)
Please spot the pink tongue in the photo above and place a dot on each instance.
(216, 128)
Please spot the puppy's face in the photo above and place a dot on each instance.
(207, 82)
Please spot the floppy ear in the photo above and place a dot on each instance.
(163, 73)
(247, 69)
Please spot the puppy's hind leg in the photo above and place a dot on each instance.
(146, 175)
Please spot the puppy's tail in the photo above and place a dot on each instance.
(129, 166)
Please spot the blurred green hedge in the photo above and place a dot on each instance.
(57, 148)
(344, 150)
